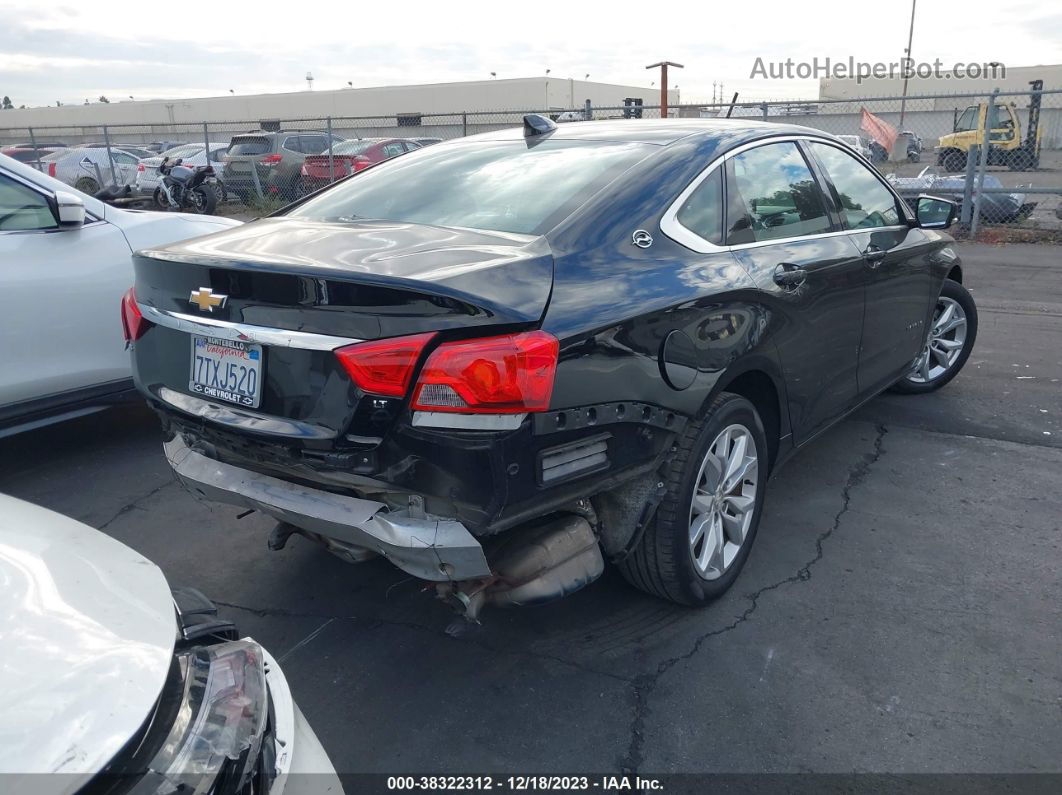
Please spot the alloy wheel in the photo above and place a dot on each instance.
(724, 501)
(944, 343)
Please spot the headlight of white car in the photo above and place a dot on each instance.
(220, 722)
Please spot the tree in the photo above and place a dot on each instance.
(7, 103)
(104, 100)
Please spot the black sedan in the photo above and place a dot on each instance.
(500, 361)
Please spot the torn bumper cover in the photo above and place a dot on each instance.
(430, 548)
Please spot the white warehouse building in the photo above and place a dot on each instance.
(410, 102)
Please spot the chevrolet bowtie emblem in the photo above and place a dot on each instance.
(206, 299)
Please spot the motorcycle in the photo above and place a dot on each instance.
(184, 187)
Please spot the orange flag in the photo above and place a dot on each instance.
(878, 129)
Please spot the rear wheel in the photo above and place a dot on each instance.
(705, 525)
(953, 160)
(1020, 160)
(87, 185)
(949, 342)
(202, 200)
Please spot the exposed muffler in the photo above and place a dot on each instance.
(531, 565)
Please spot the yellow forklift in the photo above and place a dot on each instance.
(1006, 146)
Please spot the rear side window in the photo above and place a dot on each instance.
(249, 145)
(865, 203)
(773, 195)
(393, 149)
(702, 212)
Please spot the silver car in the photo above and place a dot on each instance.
(88, 169)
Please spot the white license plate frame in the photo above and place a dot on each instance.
(222, 369)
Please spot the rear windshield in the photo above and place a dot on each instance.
(249, 145)
(353, 147)
(504, 186)
(55, 155)
(182, 151)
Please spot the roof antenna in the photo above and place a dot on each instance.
(537, 124)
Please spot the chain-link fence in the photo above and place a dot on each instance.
(999, 155)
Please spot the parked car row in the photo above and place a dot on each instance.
(260, 162)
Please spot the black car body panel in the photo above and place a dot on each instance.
(648, 335)
(362, 279)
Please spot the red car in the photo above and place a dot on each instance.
(351, 157)
(25, 154)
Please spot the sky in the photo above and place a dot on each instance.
(119, 49)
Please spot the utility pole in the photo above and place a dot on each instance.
(910, 40)
(663, 83)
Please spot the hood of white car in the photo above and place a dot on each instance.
(87, 629)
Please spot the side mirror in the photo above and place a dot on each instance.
(71, 210)
(934, 213)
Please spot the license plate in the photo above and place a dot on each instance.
(227, 370)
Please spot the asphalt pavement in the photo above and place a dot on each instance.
(900, 613)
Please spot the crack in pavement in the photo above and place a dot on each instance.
(134, 504)
(376, 622)
(645, 684)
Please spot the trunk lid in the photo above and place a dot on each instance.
(316, 166)
(245, 152)
(361, 280)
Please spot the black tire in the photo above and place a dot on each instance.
(1020, 160)
(662, 563)
(953, 160)
(87, 185)
(912, 384)
(158, 199)
(203, 200)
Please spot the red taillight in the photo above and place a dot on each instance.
(51, 169)
(383, 367)
(509, 374)
(359, 162)
(140, 167)
(133, 323)
(271, 160)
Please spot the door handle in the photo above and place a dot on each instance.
(874, 255)
(789, 276)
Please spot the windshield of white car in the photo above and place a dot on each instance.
(504, 186)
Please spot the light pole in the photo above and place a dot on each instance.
(663, 83)
(907, 65)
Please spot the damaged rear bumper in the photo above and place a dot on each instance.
(430, 548)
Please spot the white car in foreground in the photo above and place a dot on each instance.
(66, 264)
(111, 679)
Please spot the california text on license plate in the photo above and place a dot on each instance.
(227, 369)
